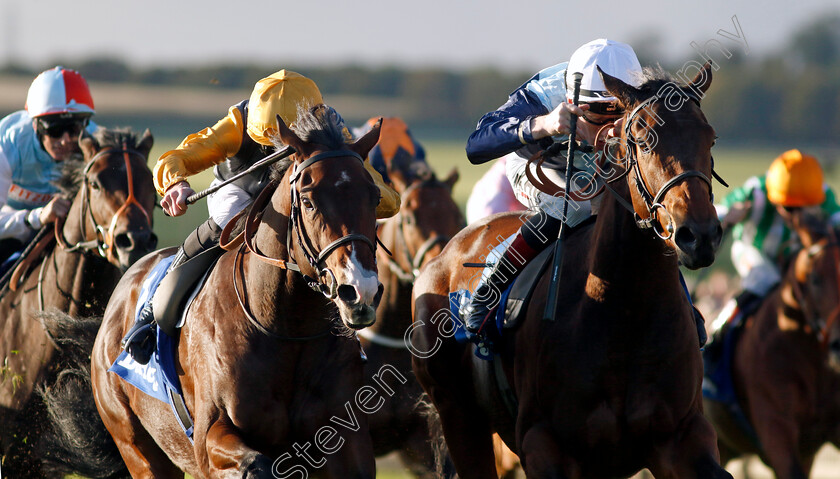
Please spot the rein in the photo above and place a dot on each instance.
(104, 241)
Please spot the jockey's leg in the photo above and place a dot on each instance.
(759, 274)
(223, 206)
(140, 339)
(526, 245)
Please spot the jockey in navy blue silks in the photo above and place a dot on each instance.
(536, 115)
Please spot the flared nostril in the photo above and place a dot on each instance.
(685, 238)
(124, 241)
(153, 242)
(347, 293)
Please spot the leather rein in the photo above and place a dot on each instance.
(652, 202)
(104, 240)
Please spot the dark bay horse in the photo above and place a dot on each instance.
(262, 372)
(612, 384)
(428, 218)
(108, 227)
(786, 363)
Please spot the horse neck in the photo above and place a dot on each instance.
(628, 261)
(280, 299)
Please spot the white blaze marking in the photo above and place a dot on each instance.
(345, 178)
(364, 280)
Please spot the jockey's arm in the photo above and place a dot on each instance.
(13, 222)
(506, 129)
(199, 151)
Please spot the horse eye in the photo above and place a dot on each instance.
(307, 203)
(94, 185)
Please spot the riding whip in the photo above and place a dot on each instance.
(277, 155)
(557, 263)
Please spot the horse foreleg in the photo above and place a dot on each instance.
(469, 437)
(542, 456)
(779, 437)
(691, 453)
(225, 454)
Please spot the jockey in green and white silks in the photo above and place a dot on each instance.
(762, 238)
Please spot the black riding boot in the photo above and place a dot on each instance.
(139, 342)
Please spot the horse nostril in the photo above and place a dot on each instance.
(347, 293)
(153, 241)
(834, 345)
(378, 296)
(685, 238)
(124, 241)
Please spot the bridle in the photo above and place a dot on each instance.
(296, 229)
(104, 240)
(819, 324)
(653, 202)
(413, 260)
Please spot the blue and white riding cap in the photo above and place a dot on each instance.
(615, 58)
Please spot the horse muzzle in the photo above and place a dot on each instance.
(130, 246)
(358, 310)
(697, 242)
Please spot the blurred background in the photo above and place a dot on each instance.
(176, 67)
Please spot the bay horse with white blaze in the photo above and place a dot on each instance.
(785, 366)
(612, 384)
(262, 372)
(108, 227)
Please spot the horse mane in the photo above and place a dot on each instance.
(72, 169)
(652, 78)
(320, 125)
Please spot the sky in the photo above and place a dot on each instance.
(510, 34)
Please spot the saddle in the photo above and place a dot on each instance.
(177, 288)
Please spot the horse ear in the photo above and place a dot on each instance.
(88, 145)
(452, 178)
(288, 137)
(146, 143)
(703, 80)
(810, 228)
(627, 95)
(363, 145)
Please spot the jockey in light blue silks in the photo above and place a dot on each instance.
(33, 144)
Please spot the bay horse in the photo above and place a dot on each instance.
(611, 384)
(262, 372)
(428, 217)
(108, 226)
(786, 363)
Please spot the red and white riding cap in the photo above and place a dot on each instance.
(59, 90)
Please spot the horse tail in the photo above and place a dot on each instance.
(443, 461)
(76, 440)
